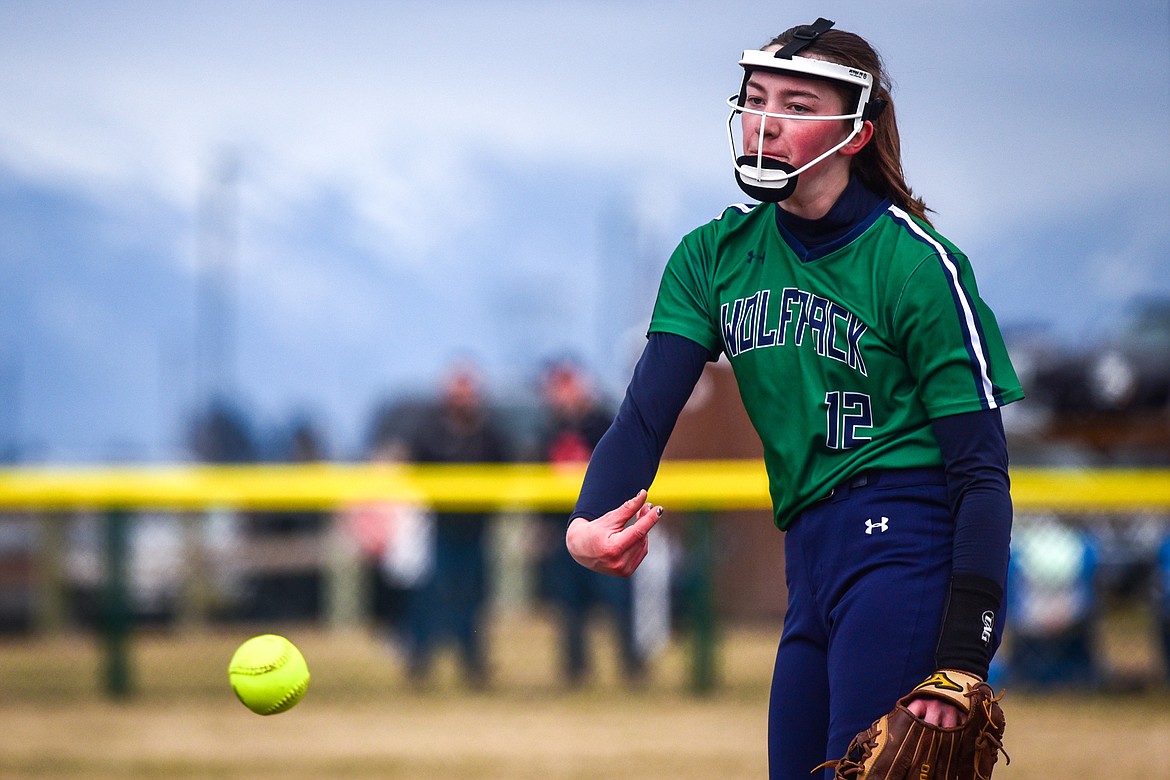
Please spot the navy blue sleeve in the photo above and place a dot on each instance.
(974, 449)
(627, 457)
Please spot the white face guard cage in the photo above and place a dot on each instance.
(768, 179)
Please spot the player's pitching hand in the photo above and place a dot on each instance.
(612, 544)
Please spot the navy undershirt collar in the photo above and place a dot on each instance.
(853, 213)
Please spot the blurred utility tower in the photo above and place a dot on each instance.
(14, 285)
(216, 279)
(629, 264)
(10, 400)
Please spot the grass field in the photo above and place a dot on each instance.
(360, 720)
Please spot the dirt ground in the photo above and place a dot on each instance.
(361, 720)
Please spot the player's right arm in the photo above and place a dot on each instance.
(626, 459)
(612, 544)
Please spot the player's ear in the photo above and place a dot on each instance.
(858, 142)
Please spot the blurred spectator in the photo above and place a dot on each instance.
(1052, 607)
(576, 422)
(395, 540)
(221, 434)
(450, 601)
(1162, 604)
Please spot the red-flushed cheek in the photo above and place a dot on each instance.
(808, 140)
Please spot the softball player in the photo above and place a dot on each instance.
(874, 374)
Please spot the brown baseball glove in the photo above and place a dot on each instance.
(901, 746)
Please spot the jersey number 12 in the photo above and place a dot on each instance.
(848, 415)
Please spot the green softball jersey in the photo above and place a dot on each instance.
(842, 359)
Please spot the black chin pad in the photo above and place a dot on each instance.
(771, 194)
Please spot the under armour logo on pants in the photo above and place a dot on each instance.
(882, 526)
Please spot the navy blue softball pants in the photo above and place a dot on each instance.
(868, 571)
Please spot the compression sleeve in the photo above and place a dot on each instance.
(626, 459)
(974, 449)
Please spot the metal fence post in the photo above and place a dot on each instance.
(194, 607)
(345, 599)
(117, 618)
(703, 677)
(51, 608)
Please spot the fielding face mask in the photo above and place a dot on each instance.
(770, 180)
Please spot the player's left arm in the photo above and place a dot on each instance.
(953, 345)
(974, 448)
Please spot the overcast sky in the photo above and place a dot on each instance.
(421, 178)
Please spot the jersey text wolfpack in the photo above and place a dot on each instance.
(842, 357)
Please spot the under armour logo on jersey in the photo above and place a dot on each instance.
(753, 256)
(882, 526)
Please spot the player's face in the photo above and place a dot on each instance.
(793, 141)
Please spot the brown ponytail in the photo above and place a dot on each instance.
(879, 164)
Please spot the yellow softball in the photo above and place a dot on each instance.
(268, 674)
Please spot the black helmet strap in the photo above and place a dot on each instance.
(803, 36)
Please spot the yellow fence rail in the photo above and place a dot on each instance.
(702, 487)
(682, 485)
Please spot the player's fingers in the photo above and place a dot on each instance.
(935, 712)
(928, 710)
(648, 517)
(631, 507)
(950, 717)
